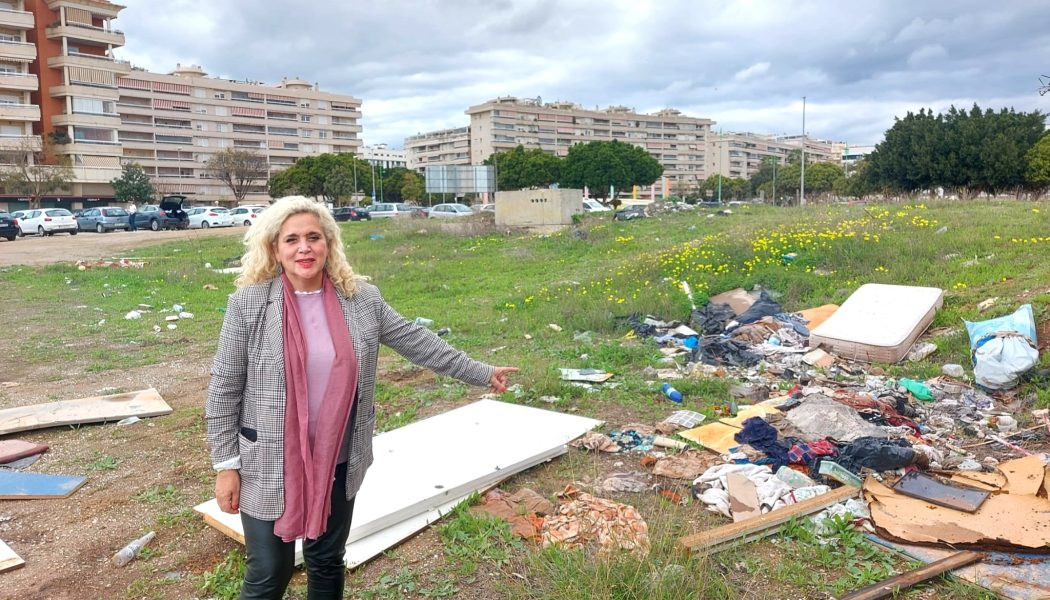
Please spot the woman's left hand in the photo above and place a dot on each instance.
(499, 378)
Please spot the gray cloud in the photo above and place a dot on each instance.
(417, 65)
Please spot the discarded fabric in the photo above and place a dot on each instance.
(522, 510)
(582, 519)
(625, 482)
(762, 436)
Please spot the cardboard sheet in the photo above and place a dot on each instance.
(743, 497)
(8, 558)
(1013, 519)
(816, 316)
(739, 300)
(15, 485)
(719, 436)
(96, 409)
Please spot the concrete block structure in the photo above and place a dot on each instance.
(540, 210)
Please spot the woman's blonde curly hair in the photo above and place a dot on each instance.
(259, 261)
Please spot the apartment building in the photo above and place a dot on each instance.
(59, 79)
(442, 147)
(741, 154)
(677, 141)
(172, 124)
(380, 155)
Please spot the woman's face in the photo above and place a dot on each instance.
(301, 249)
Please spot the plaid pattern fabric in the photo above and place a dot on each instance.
(247, 388)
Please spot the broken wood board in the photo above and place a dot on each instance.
(15, 449)
(893, 585)
(8, 558)
(995, 525)
(720, 538)
(96, 409)
(15, 485)
(1014, 575)
(432, 462)
(743, 497)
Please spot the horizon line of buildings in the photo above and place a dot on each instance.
(60, 80)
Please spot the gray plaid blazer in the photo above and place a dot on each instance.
(247, 388)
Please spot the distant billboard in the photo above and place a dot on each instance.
(460, 179)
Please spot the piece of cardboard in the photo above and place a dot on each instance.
(96, 409)
(8, 558)
(746, 412)
(15, 485)
(739, 300)
(817, 315)
(15, 449)
(714, 436)
(818, 358)
(743, 497)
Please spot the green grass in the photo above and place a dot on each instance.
(223, 581)
(159, 494)
(471, 540)
(102, 462)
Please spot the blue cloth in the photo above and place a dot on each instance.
(763, 437)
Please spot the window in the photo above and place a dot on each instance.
(220, 96)
(220, 111)
(322, 134)
(10, 99)
(94, 134)
(284, 131)
(305, 118)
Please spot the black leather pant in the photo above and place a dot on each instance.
(270, 560)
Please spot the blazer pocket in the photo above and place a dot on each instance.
(250, 434)
(249, 450)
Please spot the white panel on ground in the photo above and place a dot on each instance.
(427, 467)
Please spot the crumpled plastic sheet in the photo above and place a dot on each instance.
(584, 519)
(711, 319)
(626, 482)
(721, 350)
(765, 306)
(596, 442)
(855, 507)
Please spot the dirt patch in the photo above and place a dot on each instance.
(1042, 334)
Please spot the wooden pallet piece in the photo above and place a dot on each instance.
(95, 409)
(888, 587)
(720, 538)
(8, 558)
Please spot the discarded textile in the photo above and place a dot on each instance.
(583, 518)
(684, 465)
(596, 442)
(720, 350)
(626, 482)
(795, 321)
(877, 454)
(754, 333)
(632, 441)
(878, 411)
(762, 436)
(711, 488)
(523, 510)
(711, 319)
(765, 306)
(819, 417)
(803, 454)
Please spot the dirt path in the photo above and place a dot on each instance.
(34, 250)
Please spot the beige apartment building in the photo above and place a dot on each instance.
(741, 154)
(59, 79)
(677, 141)
(442, 147)
(172, 124)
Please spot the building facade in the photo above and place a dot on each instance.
(60, 81)
(741, 154)
(442, 147)
(380, 155)
(677, 141)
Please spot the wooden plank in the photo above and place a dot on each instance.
(96, 409)
(11, 450)
(714, 540)
(15, 485)
(890, 587)
(8, 559)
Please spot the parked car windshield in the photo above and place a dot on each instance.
(58, 212)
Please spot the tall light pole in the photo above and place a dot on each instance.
(381, 196)
(776, 159)
(802, 189)
(721, 144)
(373, 165)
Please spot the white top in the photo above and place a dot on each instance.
(880, 315)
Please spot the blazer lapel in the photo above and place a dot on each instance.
(350, 315)
(273, 336)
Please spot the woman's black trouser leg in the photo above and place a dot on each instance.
(269, 561)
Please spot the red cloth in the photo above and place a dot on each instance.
(309, 471)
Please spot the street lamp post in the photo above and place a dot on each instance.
(776, 159)
(373, 166)
(802, 189)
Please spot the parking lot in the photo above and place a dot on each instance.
(35, 250)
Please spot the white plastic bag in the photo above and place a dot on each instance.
(1003, 349)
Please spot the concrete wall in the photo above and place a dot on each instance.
(544, 209)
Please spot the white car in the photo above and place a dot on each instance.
(450, 211)
(244, 215)
(593, 206)
(48, 221)
(389, 210)
(203, 217)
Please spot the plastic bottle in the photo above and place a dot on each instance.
(132, 550)
(669, 391)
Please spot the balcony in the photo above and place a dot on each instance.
(86, 120)
(91, 148)
(100, 8)
(89, 61)
(18, 81)
(20, 142)
(95, 174)
(86, 33)
(20, 112)
(16, 19)
(20, 51)
(84, 90)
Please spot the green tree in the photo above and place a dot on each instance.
(413, 187)
(1038, 164)
(238, 169)
(333, 177)
(133, 185)
(520, 168)
(34, 170)
(601, 165)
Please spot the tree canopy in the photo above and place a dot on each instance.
(133, 185)
(334, 177)
(34, 170)
(238, 169)
(520, 168)
(1038, 158)
(601, 165)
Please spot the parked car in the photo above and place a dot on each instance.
(48, 221)
(103, 219)
(419, 212)
(351, 213)
(386, 210)
(203, 217)
(593, 206)
(169, 214)
(244, 215)
(8, 227)
(486, 208)
(630, 213)
(450, 211)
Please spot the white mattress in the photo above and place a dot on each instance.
(880, 315)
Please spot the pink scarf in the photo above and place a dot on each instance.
(309, 471)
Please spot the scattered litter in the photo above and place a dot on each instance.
(818, 358)
(522, 510)
(185, 315)
(588, 375)
(549, 399)
(921, 351)
(554, 326)
(630, 482)
(986, 304)
(839, 473)
(172, 326)
(820, 417)
(443, 331)
(156, 329)
(83, 265)
(1003, 349)
(9, 559)
(129, 421)
(132, 315)
(424, 322)
(946, 493)
(11, 450)
(208, 286)
(681, 419)
(170, 318)
(672, 394)
(953, 370)
(584, 336)
(916, 388)
(594, 441)
(581, 519)
(686, 465)
(375, 236)
(129, 552)
(16, 485)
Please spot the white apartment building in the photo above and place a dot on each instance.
(442, 147)
(18, 112)
(741, 154)
(380, 155)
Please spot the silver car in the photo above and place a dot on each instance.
(103, 219)
(450, 210)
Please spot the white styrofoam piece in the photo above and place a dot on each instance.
(880, 314)
(426, 466)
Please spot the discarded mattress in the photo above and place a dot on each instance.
(878, 323)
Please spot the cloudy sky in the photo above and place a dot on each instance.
(417, 65)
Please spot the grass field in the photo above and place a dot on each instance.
(498, 293)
